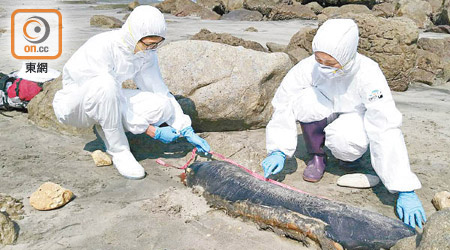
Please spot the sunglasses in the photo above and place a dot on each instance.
(152, 45)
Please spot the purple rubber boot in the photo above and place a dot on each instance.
(314, 137)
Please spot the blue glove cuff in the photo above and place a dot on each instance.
(407, 193)
(187, 131)
(157, 133)
(279, 153)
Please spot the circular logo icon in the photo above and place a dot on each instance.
(36, 29)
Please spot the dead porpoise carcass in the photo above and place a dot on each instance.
(297, 215)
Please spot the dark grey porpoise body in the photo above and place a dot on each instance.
(292, 213)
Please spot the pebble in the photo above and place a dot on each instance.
(50, 196)
(101, 158)
(358, 180)
(441, 200)
(8, 233)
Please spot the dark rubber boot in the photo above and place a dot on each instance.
(314, 137)
(350, 165)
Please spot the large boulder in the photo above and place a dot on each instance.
(392, 43)
(231, 5)
(105, 22)
(40, 110)
(217, 6)
(294, 11)
(350, 8)
(384, 9)
(417, 10)
(436, 233)
(220, 86)
(443, 14)
(243, 15)
(433, 61)
(186, 8)
(226, 38)
(263, 6)
(300, 45)
(368, 3)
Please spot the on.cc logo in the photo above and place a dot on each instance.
(36, 34)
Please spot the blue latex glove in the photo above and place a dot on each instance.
(195, 140)
(273, 163)
(166, 134)
(410, 210)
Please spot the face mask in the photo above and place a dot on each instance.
(329, 72)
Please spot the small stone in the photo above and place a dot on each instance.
(8, 233)
(101, 159)
(441, 200)
(50, 196)
(358, 180)
(251, 29)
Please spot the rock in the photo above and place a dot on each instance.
(358, 180)
(300, 45)
(321, 18)
(436, 232)
(441, 200)
(2, 30)
(226, 38)
(433, 61)
(8, 232)
(286, 12)
(131, 6)
(436, 29)
(407, 243)
(368, 3)
(217, 6)
(392, 43)
(429, 68)
(330, 11)
(443, 16)
(276, 47)
(243, 15)
(417, 10)
(315, 7)
(251, 29)
(384, 10)
(11, 206)
(437, 6)
(111, 6)
(298, 54)
(263, 6)
(40, 110)
(105, 21)
(231, 5)
(227, 88)
(439, 46)
(186, 8)
(50, 196)
(101, 159)
(351, 8)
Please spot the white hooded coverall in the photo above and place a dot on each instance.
(92, 83)
(358, 103)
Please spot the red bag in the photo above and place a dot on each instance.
(24, 89)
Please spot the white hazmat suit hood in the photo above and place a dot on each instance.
(339, 39)
(358, 104)
(92, 88)
(143, 21)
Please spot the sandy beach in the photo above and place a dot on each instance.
(159, 212)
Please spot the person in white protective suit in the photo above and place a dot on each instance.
(92, 90)
(342, 100)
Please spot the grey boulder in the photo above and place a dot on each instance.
(222, 87)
